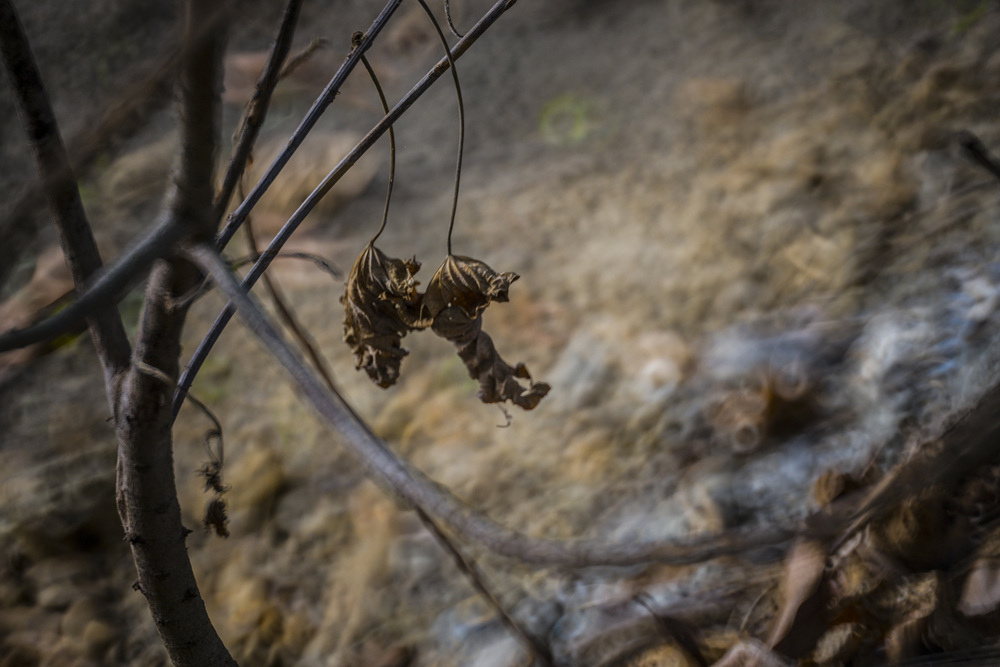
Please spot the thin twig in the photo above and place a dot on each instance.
(392, 141)
(540, 652)
(302, 56)
(104, 132)
(256, 109)
(118, 122)
(61, 190)
(322, 263)
(398, 477)
(348, 161)
(217, 458)
(977, 152)
(310, 119)
(451, 23)
(287, 313)
(461, 119)
(109, 287)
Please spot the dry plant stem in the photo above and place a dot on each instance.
(321, 263)
(392, 149)
(979, 154)
(108, 288)
(397, 477)
(451, 22)
(348, 161)
(146, 491)
(61, 191)
(287, 315)
(461, 117)
(256, 109)
(310, 119)
(302, 56)
(539, 651)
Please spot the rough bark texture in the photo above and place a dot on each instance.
(146, 493)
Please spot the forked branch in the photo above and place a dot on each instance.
(146, 491)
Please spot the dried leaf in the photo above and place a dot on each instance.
(453, 306)
(801, 621)
(381, 304)
(216, 517)
(981, 591)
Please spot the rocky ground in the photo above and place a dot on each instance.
(757, 269)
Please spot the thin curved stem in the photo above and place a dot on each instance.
(461, 119)
(257, 106)
(392, 149)
(451, 23)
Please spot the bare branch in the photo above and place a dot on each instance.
(110, 287)
(146, 490)
(300, 58)
(256, 110)
(287, 315)
(976, 150)
(348, 161)
(541, 652)
(310, 119)
(60, 188)
(397, 477)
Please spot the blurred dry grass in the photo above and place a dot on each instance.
(723, 201)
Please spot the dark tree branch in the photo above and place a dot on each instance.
(310, 119)
(976, 151)
(398, 478)
(540, 652)
(256, 110)
(146, 490)
(110, 287)
(348, 161)
(60, 188)
(287, 315)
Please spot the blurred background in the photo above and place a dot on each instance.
(753, 258)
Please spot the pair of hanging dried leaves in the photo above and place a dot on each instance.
(382, 304)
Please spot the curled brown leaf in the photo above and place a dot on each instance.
(381, 304)
(453, 306)
(464, 283)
